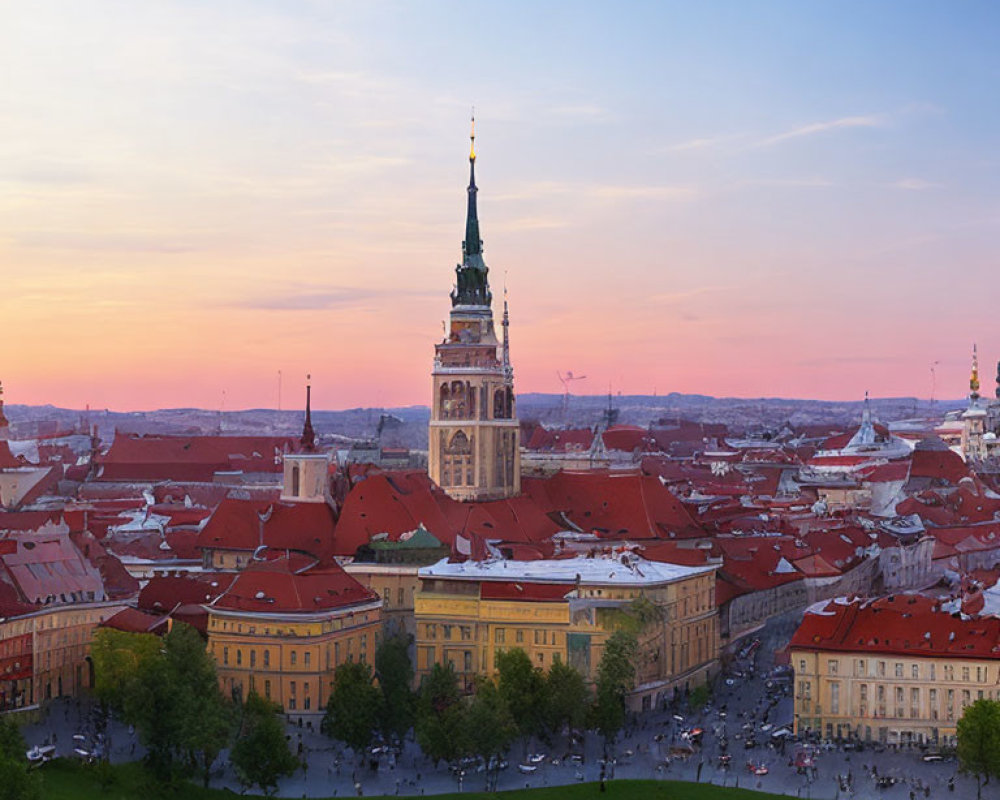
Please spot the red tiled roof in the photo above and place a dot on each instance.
(7, 460)
(945, 465)
(196, 458)
(617, 506)
(275, 587)
(841, 440)
(164, 592)
(247, 524)
(132, 620)
(903, 624)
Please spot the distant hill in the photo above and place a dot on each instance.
(407, 426)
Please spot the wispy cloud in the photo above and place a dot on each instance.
(341, 297)
(601, 191)
(132, 243)
(915, 184)
(813, 128)
(701, 143)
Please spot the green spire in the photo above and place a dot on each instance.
(472, 287)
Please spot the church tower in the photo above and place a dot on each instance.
(474, 453)
(974, 418)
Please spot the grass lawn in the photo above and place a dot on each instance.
(67, 780)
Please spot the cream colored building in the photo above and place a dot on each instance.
(566, 609)
(894, 670)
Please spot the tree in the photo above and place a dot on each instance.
(169, 690)
(261, 755)
(354, 707)
(522, 687)
(16, 782)
(488, 728)
(205, 718)
(615, 679)
(566, 697)
(440, 715)
(979, 741)
(395, 676)
(118, 658)
(699, 697)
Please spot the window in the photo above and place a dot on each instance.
(267, 658)
(431, 631)
(399, 598)
(253, 659)
(915, 671)
(860, 667)
(881, 669)
(307, 654)
(294, 658)
(267, 689)
(239, 658)
(965, 673)
(467, 660)
(291, 704)
(899, 670)
(387, 596)
(932, 701)
(835, 698)
(225, 655)
(832, 666)
(291, 688)
(933, 671)
(802, 666)
(498, 635)
(447, 631)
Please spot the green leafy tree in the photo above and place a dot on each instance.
(260, 755)
(488, 728)
(118, 658)
(699, 697)
(522, 686)
(979, 741)
(615, 679)
(566, 697)
(394, 672)
(353, 710)
(169, 690)
(205, 719)
(440, 715)
(16, 782)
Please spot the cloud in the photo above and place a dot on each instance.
(915, 184)
(112, 242)
(869, 121)
(701, 143)
(341, 297)
(600, 191)
(582, 111)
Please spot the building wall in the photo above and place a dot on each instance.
(887, 698)
(455, 625)
(397, 586)
(290, 658)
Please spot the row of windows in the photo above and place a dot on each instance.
(880, 669)
(293, 655)
(400, 597)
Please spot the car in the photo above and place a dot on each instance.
(536, 758)
(929, 757)
(750, 743)
(527, 769)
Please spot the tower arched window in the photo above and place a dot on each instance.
(295, 480)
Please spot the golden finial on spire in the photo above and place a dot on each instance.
(472, 137)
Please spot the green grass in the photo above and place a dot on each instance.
(68, 780)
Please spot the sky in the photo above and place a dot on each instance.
(201, 202)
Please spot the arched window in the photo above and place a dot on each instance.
(498, 409)
(295, 481)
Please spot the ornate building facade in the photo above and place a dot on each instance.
(473, 447)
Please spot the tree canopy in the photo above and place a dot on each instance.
(522, 687)
(440, 715)
(354, 708)
(979, 741)
(16, 782)
(566, 697)
(488, 728)
(261, 755)
(615, 679)
(394, 673)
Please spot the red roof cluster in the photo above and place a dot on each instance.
(902, 624)
(246, 525)
(287, 586)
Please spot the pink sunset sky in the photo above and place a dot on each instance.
(739, 199)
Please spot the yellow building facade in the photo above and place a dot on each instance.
(566, 609)
(283, 634)
(895, 670)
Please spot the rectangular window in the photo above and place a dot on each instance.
(802, 666)
(294, 657)
(498, 635)
(915, 671)
(899, 670)
(467, 661)
(225, 655)
(447, 631)
(399, 597)
(307, 655)
(291, 703)
(965, 673)
(267, 658)
(832, 666)
(253, 659)
(431, 630)
(835, 698)
(933, 671)
(861, 666)
(239, 658)
(291, 688)
(881, 669)
(267, 689)
(387, 596)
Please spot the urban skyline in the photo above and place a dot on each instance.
(197, 198)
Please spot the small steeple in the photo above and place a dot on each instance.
(473, 245)
(308, 440)
(508, 369)
(974, 377)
